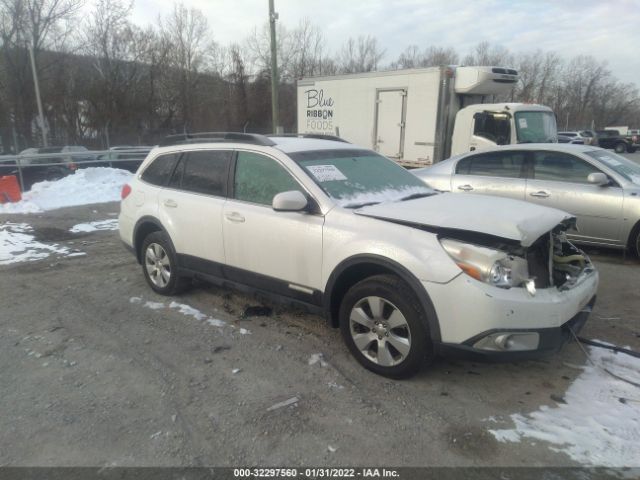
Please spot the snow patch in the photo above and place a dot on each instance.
(317, 358)
(86, 186)
(111, 224)
(188, 310)
(383, 196)
(17, 244)
(600, 423)
(154, 305)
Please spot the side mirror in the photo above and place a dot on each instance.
(292, 201)
(598, 178)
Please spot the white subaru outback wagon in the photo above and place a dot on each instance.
(406, 273)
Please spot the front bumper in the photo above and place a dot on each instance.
(551, 341)
(467, 310)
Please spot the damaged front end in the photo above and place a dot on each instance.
(550, 261)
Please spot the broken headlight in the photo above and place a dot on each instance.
(494, 267)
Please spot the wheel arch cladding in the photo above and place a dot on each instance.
(357, 268)
(144, 226)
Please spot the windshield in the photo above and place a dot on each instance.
(536, 127)
(355, 178)
(622, 166)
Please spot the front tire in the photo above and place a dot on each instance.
(385, 327)
(160, 266)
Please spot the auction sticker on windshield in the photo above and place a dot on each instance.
(326, 173)
(522, 122)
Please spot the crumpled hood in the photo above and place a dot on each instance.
(510, 219)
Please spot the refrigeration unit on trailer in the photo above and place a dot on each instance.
(421, 116)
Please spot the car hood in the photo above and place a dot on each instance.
(498, 217)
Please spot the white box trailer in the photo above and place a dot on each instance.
(421, 116)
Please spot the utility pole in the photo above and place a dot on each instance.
(273, 16)
(38, 100)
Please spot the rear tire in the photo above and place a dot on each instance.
(160, 266)
(620, 147)
(385, 327)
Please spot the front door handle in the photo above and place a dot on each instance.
(540, 194)
(234, 217)
(466, 187)
(170, 203)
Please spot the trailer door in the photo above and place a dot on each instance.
(390, 118)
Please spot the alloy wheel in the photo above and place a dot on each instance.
(380, 331)
(158, 265)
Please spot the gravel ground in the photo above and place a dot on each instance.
(91, 379)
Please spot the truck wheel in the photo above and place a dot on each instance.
(620, 147)
(385, 326)
(160, 266)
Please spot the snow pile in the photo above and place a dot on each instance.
(89, 185)
(111, 224)
(18, 245)
(600, 423)
(383, 196)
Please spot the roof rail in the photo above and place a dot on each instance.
(318, 136)
(212, 137)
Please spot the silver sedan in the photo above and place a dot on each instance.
(599, 187)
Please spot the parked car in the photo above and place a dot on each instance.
(613, 140)
(588, 137)
(38, 165)
(125, 157)
(405, 272)
(600, 188)
(568, 139)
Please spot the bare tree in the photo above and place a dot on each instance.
(189, 45)
(24, 24)
(359, 55)
(485, 54)
(432, 56)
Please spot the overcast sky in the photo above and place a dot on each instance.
(607, 29)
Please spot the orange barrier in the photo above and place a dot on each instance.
(9, 189)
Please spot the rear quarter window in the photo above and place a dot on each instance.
(159, 170)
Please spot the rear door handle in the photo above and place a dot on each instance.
(234, 217)
(170, 203)
(540, 194)
(466, 187)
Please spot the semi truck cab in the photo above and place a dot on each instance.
(481, 126)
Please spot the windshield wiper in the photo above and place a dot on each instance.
(416, 195)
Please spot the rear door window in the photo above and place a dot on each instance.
(561, 167)
(206, 171)
(493, 164)
(158, 172)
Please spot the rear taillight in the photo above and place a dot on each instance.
(72, 166)
(126, 190)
